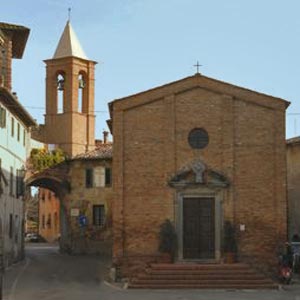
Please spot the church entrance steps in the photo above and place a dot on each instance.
(202, 276)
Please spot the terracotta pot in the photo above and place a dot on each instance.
(229, 257)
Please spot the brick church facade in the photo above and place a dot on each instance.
(198, 152)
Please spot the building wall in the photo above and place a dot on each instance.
(293, 179)
(13, 153)
(90, 237)
(246, 144)
(49, 215)
(15, 135)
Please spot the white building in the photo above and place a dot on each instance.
(15, 124)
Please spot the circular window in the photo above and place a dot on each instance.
(198, 138)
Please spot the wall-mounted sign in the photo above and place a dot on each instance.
(82, 220)
(74, 212)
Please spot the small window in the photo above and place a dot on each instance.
(16, 227)
(198, 138)
(18, 131)
(10, 232)
(98, 215)
(42, 195)
(49, 221)
(89, 178)
(99, 176)
(43, 221)
(11, 181)
(12, 126)
(2, 117)
(20, 184)
(107, 176)
(55, 217)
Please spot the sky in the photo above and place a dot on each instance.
(141, 44)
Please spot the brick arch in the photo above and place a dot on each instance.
(59, 187)
(59, 72)
(83, 73)
(55, 179)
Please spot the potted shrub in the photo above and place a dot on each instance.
(230, 243)
(167, 241)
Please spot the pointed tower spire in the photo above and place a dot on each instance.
(69, 45)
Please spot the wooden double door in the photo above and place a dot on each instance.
(198, 228)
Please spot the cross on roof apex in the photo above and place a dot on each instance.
(197, 65)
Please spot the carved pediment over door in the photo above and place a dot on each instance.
(197, 174)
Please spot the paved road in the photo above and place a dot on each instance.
(48, 275)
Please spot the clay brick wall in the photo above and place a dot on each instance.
(49, 206)
(293, 179)
(246, 144)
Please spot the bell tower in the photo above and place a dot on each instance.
(69, 118)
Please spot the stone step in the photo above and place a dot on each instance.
(179, 266)
(203, 286)
(202, 281)
(202, 276)
(198, 272)
(207, 276)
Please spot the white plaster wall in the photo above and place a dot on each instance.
(13, 154)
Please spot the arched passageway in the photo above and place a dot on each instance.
(55, 180)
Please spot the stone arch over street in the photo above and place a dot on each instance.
(55, 180)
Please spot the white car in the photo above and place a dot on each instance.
(31, 237)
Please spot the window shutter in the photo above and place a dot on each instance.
(99, 179)
(20, 184)
(107, 176)
(89, 178)
(2, 117)
(10, 230)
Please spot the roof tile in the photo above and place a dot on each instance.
(103, 151)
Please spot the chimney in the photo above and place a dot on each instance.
(105, 137)
(98, 143)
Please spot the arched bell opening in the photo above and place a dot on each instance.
(81, 90)
(60, 85)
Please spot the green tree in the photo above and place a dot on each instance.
(41, 159)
